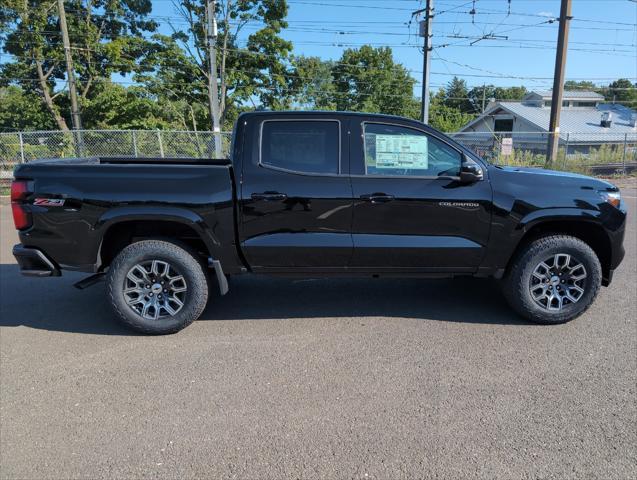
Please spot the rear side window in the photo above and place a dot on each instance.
(301, 146)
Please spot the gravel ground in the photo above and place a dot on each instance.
(322, 379)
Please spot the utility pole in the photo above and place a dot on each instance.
(70, 73)
(213, 91)
(484, 97)
(558, 82)
(425, 32)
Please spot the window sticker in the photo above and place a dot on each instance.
(402, 151)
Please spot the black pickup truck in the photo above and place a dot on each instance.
(317, 194)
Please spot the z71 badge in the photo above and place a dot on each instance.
(49, 202)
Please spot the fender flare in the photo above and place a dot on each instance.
(159, 213)
(557, 214)
(502, 252)
(167, 214)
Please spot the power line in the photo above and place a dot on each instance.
(334, 95)
(322, 93)
(519, 44)
(388, 24)
(481, 12)
(203, 84)
(344, 32)
(537, 15)
(342, 5)
(490, 74)
(459, 45)
(611, 52)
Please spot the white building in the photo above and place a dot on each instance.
(585, 123)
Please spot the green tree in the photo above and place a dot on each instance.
(510, 93)
(312, 83)
(445, 118)
(580, 85)
(457, 96)
(623, 91)
(488, 92)
(178, 84)
(20, 110)
(118, 107)
(259, 72)
(368, 80)
(107, 36)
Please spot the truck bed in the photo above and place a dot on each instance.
(80, 200)
(134, 161)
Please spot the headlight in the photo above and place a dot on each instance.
(614, 198)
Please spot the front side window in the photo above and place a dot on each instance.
(301, 146)
(395, 150)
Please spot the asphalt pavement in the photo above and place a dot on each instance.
(318, 379)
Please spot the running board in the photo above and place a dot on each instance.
(89, 281)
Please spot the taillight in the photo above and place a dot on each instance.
(19, 192)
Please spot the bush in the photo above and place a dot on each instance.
(573, 162)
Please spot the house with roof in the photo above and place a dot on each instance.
(585, 123)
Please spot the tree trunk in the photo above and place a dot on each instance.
(224, 56)
(48, 101)
(46, 94)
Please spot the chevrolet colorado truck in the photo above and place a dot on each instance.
(317, 194)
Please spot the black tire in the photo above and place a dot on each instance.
(182, 263)
(517, 283)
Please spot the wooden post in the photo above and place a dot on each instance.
(161, 145)
(135, 153)
(22, 148)
(558, 82)
(426, 62)
(624, 154)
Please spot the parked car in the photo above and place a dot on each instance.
(317, 194)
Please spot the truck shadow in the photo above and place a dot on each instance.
(462, 300)
(53, 304)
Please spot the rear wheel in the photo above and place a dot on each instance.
(553, 280)
(157, 287)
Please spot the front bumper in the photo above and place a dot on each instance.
(34, 263)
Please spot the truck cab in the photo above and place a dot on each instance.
(357, 193)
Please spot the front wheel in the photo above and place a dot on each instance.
(553, 280)
(157, 287)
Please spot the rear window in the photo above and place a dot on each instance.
(301, 146)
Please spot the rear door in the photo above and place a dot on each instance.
(296, 197)
(409, 213)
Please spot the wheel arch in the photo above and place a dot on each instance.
(588, 230)
(122, 227)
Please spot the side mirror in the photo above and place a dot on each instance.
(470, 171)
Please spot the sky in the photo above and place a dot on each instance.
(602, 46)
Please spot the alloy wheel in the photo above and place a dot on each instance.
(155, 289)
(557, 282)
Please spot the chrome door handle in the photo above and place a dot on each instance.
(269, 196)
(377, 197)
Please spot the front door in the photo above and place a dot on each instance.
(410, 211)
(296, 207)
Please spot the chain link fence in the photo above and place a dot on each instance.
(588, 153)
(26, 146)
(600, 153)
